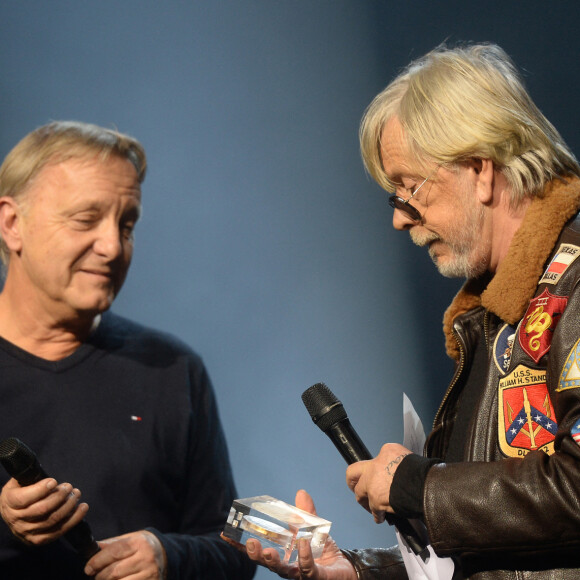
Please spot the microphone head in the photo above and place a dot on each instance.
(324, 408)
(15, 456)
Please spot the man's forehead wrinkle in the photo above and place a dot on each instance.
(399, 162)
(394, 168)
(394, 150)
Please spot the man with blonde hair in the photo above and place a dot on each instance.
(481, 178)
(125, 413)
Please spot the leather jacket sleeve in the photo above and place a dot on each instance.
(377, 563)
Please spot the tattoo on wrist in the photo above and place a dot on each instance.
(390, 469)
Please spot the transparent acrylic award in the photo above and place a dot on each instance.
(275, 524)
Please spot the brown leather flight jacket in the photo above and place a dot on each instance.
(511, 508)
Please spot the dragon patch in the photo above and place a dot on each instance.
(539, 323)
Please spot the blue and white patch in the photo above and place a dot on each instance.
(570, 376)
(502, 347)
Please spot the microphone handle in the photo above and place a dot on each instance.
(81, 539)
(30, 474)
(347, 441)
(24, 467)
(352, 449)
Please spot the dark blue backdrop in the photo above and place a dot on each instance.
(263, 243)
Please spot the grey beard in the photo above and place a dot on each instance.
(460, 266)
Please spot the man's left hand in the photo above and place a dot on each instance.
(371, 480)
(138, 555)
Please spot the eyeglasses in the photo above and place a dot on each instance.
(403, 205)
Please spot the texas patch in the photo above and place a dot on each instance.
(570, 376)
(525, 412)
(565, 255)
(539, 323)
(502, 347)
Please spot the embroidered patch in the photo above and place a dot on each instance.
(539, 323)
(575, 432)
(570, 376)
(526, 415)
(502, 347)
(566, 254)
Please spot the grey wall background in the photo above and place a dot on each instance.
(263, 243)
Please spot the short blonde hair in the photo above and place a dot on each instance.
(57, 142)
(463, 102)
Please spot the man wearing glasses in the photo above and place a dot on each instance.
(482, 179)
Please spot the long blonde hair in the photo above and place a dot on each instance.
(468, 101)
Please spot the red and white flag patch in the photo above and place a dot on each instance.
(565, 255)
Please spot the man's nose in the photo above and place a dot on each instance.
(109, 241)
(402, 220)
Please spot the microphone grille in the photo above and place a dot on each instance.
(9, 446)
(317, 397)
(323, 406)
(15, 455)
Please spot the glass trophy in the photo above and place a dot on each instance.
(275, 524)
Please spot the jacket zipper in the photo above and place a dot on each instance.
(486, 328)
(458, 338)
(458, 370)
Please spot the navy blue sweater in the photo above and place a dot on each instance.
(131, 420)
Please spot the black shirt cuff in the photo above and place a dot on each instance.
(406, 495)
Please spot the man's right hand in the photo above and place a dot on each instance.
(332, 565)
(40, 513)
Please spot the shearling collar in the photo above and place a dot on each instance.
(508, 293)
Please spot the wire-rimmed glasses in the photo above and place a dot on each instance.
(397, 202)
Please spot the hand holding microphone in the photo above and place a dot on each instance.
(39, 514)
(371, 481)
(329, 415)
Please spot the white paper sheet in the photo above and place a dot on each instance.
(434, 567)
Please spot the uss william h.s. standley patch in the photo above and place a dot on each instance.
(526, 420)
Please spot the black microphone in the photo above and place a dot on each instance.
(21, 464)
(329, 415)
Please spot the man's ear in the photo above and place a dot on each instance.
(483, 174)
(9, 223)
